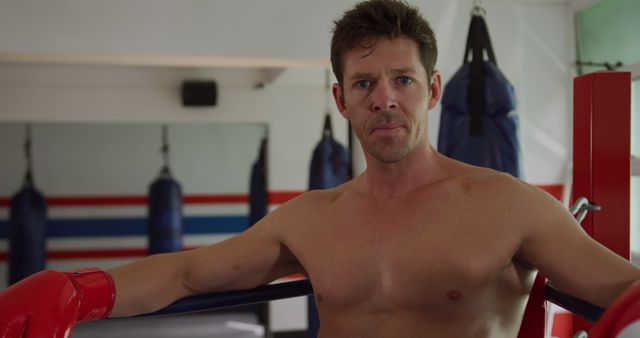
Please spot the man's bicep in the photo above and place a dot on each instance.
(575, 263)
(247, 260)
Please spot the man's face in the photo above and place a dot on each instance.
(386, 95)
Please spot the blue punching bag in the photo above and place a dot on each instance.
(165, 209)
(330, 167)
(330, 163)
(27, 227)
(478, 123)
(258, 195)
(27, 233)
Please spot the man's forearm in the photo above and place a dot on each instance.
(149, 284)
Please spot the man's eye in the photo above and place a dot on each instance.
(362, 84)
(405, 80)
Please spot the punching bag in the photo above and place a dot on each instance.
(165, 210)
(330, 163)
(258, 196)
(330, 167)
(478, 123)
(27, 233)
(27, 227)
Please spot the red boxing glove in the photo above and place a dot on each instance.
(49, 303)
(622, 318)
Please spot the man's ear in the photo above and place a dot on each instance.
(338, 96)
(435, 88)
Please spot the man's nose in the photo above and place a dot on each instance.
(383, 97)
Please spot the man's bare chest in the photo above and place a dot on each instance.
(413, 259)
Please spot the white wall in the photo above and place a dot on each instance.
(286, 29)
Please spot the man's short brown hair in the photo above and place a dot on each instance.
(371, 21)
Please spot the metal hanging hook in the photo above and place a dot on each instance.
(165, 151)
(478, 9)
(581, 334)
(327, 130)
(327, 90)
(27, 144)
(28, 178)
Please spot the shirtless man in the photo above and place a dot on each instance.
(419, 245)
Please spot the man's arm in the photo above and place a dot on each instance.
(252, 258)
(557, 245)
(50, 303)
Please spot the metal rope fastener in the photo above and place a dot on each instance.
(581, 207)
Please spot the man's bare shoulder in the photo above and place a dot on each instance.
(305, 207)
(491, 183)
(499, 193)
(524, 207)
(478, 180)
(514, 192)
(319, 197)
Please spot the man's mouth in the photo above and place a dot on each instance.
(386, 129)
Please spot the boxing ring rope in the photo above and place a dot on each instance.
(219, 300)
(586, 311)
(284, 290)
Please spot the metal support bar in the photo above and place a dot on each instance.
(227, 299)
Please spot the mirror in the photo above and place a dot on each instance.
(96, 177)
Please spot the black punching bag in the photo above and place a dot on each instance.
(478, 122)
(165, 209)
(27, 227)
(258, 194)
(330, 163)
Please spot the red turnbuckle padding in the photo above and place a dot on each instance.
(622, 315)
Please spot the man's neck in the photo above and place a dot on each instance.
(388, 180)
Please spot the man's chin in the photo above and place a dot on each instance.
(390, 155)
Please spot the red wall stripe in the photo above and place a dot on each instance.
(280, 197)
(75, 201)
(216, 199)
(79, 201)
(67, 201)
(555, 190)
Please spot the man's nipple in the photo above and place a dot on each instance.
(454, 295)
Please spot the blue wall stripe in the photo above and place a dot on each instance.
(136, 226)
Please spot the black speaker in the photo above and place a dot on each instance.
(199, 93)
